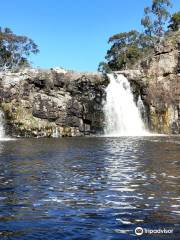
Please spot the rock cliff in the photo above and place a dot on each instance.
(157, 79)
(52, 102)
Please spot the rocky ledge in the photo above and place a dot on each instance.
(55, 102)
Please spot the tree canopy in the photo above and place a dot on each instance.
(155, 18)
(15, 49)
(126, 49)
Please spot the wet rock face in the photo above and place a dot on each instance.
(52, 102)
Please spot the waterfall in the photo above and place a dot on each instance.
(142, 110)
(55, 133)
(122, 116)
(2, 131)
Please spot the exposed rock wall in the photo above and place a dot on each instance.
(157, 80)
(52, 102)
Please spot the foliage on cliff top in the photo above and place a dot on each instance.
(15, 49)
(175, 22)
(126, 48)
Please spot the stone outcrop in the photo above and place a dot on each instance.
(52, 102)
(157, 79)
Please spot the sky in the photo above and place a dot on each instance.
(72, 34)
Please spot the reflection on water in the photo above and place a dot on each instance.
(88, 188)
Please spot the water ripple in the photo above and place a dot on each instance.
(88, 188)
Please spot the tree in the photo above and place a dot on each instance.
(127, 48)
(155, 18)
(124, 50)
(175, 22)
(104, 68)
(15, 49)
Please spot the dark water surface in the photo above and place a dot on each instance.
(89, 188)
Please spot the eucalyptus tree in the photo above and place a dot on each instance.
(15, 49)
(155, 19)
(126, 49)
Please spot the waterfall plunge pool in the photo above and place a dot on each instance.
(88, 188)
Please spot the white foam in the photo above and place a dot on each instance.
(122, 116)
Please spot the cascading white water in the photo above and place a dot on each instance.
(56, 133)
(2, 132)
(142, 110)
(122, 116)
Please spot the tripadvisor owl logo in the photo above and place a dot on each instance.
(139, 231)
